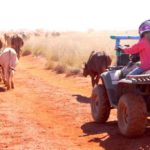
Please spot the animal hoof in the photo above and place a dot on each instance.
(12, 85)
(5, 82)
(8, 87)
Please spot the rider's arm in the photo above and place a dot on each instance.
(135, 48)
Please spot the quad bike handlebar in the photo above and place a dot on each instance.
(119, 38)
(122, 59)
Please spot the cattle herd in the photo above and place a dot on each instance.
(10, 48)
(10, 51)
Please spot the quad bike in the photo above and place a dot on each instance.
(129, 95)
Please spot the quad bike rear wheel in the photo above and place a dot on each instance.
(100, 106)
(132, 115)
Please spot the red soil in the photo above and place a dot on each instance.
(51, 112)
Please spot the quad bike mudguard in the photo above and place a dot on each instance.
(110, 80)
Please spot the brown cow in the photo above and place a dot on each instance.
(7, 39)
(97, 63)
(17, 43)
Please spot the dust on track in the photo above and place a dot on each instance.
(51, 112)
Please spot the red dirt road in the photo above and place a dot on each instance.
(51, 112)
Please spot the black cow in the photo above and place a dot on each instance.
(97, 63)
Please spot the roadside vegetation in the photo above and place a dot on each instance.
(67, 51)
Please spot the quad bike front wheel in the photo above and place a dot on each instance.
(100, 107)
(132, 115)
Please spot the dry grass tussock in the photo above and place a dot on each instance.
(67, 52)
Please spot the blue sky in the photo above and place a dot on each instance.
(79, 15)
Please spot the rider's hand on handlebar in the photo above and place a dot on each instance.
(127, 46)
(119, 49)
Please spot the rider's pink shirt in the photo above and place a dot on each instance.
(143, 48)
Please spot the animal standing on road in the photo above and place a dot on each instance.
(17, 43)
(14, 41)
(7, 40)
(8, 62)
(97, 63)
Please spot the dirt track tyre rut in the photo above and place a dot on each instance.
(100, 107)
(132, 115)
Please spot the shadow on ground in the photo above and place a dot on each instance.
(82, 99)
(2, 89)
(108, 137)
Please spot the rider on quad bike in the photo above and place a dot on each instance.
(130, 93)
(142, 47)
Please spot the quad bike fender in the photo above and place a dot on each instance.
(110, 84)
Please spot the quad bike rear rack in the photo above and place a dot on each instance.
(140, 78)
(137, 79)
